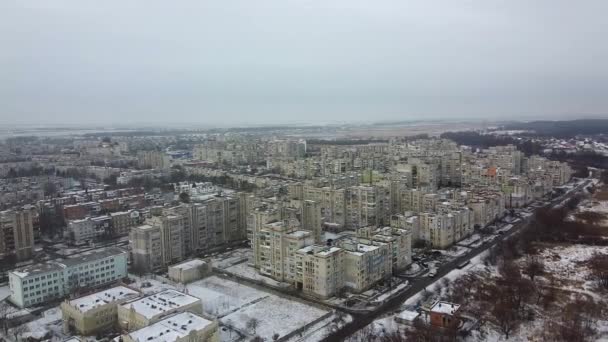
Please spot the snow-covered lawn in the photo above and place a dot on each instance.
(246, 271)
(275, 315)
(569, 261)
(220, 296)
(233, 257)
(49, 322)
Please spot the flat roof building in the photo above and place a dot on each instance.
(145, 311)
(181, 327)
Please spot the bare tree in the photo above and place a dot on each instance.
(505, 317)
(599, 269)
(257, 339)
(19, 330)
(253, 324)
(533, 267)
(579, 320)
(421, 331)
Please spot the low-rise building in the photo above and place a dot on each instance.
(142, 312)
(32, 285)
(181, 327)
(444, 315)
(190, 270)
(96, 312)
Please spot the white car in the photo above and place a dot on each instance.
(432, 274)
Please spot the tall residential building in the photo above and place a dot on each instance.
(311, 219)
(365, 265)
(366, 206)
(172, 237)
(332, 202)
(320, 270)
(146, 248)
(277, 243)
(153, 160)
(17, 232)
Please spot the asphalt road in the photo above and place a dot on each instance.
(361, 320)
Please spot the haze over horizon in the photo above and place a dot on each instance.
(270, 61)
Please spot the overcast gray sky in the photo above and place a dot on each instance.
(262, 61)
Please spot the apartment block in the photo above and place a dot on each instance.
(153, 160)
(146, 248)
(17, 232)
(277, 243)
(365, 265)
(311, 219)
(320, 270)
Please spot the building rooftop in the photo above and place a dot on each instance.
(89, 256)
(161, 302)
(445, 307)
(88, 302)
(171, 328)
(190, 264)
(31, 270)
(299, 234)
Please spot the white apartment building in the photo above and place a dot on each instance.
(365, 265)
(32, 285)
(277, 244)
(146, 248)
(320, 270)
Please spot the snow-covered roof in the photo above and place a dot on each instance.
(88, 302)
(161, 302)
(32, 270)
(190, 264)
(94, 255)
(171, 328)
(366, 248)
(299, 234)
(408, 315)
(445, 307)
(73, 339)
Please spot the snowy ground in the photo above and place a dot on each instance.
(235, 304)
(276, 316)
(247, 271)
(569, 262)
(49, 322)
(227, 259)
(221, 297)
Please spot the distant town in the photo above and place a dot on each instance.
(426, 231)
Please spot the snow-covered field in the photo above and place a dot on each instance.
(247, 271)
(569, 261)
(220, 296)
(276, 315)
